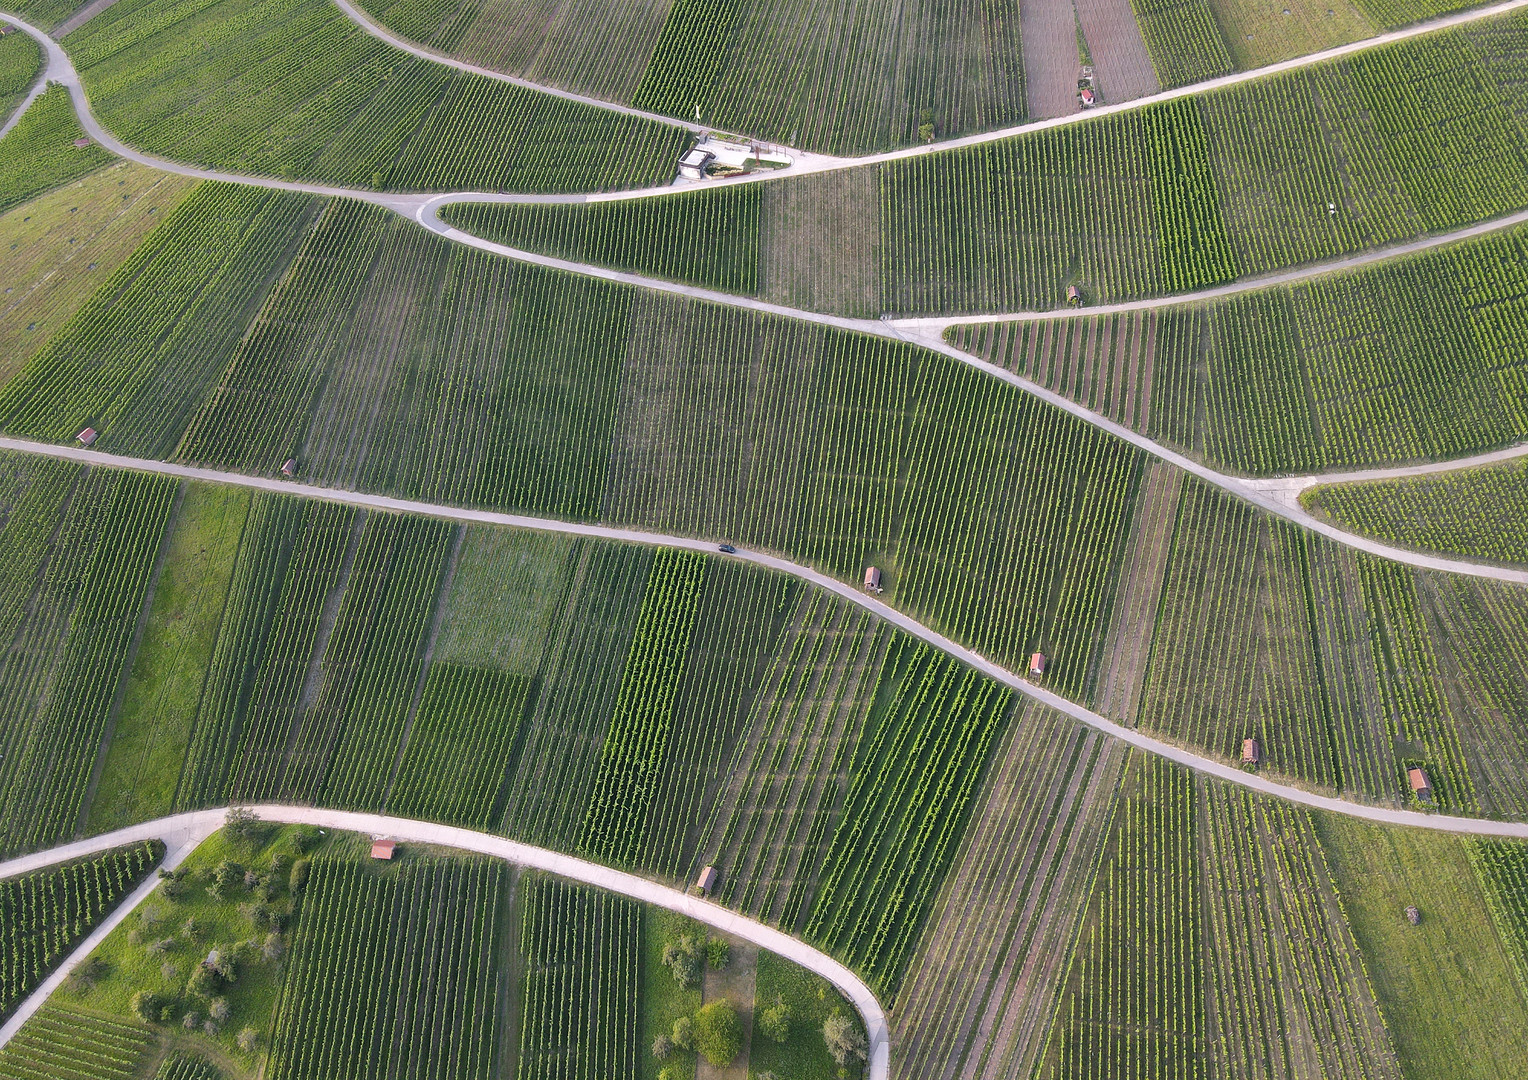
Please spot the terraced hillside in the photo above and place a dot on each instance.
(601, 633)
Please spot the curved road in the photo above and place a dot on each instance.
(424, 209)
(871, 603)
(181, 834)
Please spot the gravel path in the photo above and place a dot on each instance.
(182, 832)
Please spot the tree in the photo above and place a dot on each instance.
(684, 1033)
(775, 1021)
(718, 1032)
(242, 824)
(147, 1005)
(683, 959)
(845, 1040)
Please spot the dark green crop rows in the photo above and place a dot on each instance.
(43, 914)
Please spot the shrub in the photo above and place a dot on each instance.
(248, 1039)
(684, 1033)
(845, 1040)
(299, 876)
(663, 1046)
(775, 1021)
(718, 953)
(718, 1032)
(219, 1010)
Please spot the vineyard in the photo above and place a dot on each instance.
(1347, 669)
(546, 41)
(341, 106)
(20, 62)
(137, 358)
(106, 215)
(62, 1044)
(1304, 166)
(698, 237)
(459, 749)
(583, 989)
(982, 986)
(44, 914)
(39, 153)
(1185, 44)
(912, 780)
(1380, 366)
(643, 719)
(69, 636)
(394, 974)
(1478, 513)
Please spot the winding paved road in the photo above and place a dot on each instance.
(853, 595)
(181, 834)
(424, 209)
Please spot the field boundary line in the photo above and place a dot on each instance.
(182, 833)
(890, 615)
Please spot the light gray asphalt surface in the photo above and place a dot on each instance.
(847, 592)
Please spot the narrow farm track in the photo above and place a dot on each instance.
(181, 834)
(902, 621)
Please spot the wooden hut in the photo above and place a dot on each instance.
(88, 436)
(873, 578)
(290, 467)
(1037, 663)
(707, 880)
(384, 849)
(1073, 295)
(1251, 752)
(1421, 787)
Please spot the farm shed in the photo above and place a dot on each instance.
(1251, 752)
(1421, 787)
(1073, 295)
(1037, 663)
(383, 849)
(873, 578)
(707, 880)
(692, 166)
(82, 142)
(87, 436)
(290, 467)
